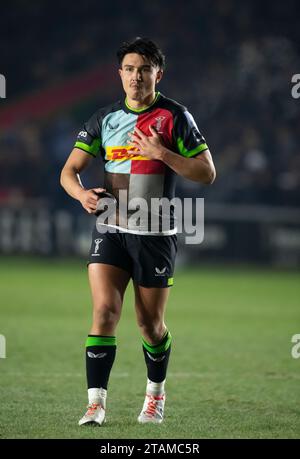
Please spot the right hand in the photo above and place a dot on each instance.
(89, 198)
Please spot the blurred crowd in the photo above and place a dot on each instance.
(229, 62)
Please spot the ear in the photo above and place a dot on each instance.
(159, 76)
(120, 72)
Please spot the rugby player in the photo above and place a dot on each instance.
(145, 139)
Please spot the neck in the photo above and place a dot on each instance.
(144, 103)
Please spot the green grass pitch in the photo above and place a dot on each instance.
(231, 373)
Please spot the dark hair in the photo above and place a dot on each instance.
(144, 47)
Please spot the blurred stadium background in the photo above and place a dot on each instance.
(231, 63)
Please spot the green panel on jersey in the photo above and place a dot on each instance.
(101, 341)
(189, 154)
(92, 149)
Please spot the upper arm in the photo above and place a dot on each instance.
(205, 156)
(87, 145)
(189, 141)
(78, 160)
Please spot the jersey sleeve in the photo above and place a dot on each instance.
(189, 141)
(89, 137)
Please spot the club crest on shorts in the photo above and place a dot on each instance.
(97, 243)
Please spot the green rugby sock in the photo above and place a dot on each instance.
(100, 356)
(157, 358)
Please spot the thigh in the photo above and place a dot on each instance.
(150, 303)
(108, 284)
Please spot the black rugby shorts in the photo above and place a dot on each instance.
(149, 260)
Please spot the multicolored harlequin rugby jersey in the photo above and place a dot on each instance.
(106, 134)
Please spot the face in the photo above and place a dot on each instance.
(139, 76)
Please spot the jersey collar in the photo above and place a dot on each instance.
(138, 111)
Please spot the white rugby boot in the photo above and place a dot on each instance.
(96, 408)
(153, 409)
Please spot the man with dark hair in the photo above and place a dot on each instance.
(145, 140)
(143, 47)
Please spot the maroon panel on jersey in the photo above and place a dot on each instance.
(162, 120)
(147, 167)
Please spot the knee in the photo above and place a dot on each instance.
(152, 331)
(106, 314)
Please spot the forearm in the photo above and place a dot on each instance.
(70, 181)
(198, 170)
